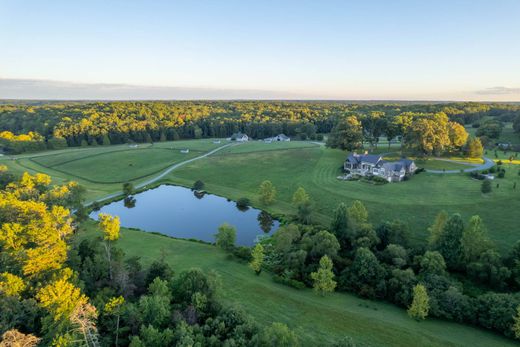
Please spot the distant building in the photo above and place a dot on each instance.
(187, 150)
(216, 141)
(374, 165)
(239, 137)
(279, 137)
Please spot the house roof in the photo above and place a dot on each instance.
(238, 135)
(364, 158)
(283, 136)
(393, 166)
(406, 162)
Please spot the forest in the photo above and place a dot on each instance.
(58, 125)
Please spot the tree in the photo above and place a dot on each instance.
(110, 227)
(198, 185)
(347, 134)
(14, 338)
(449, 243)
(304, 212)
(128, 189)
(257, 255)
(457, 134)
(300, 196)
(267, 193)
(432, 263)
(429, 134)
(357, 215)
(485, 188)
(277, 334)
(474, 240)
(437, 228)
(475, 148)
(421, 303)
(225, 237)
(339, 225)
(323, 279)
(114, 307)
(516, 318)
(365, 275)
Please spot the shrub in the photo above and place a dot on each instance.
(493, 169)
(243, 203)
(486, 187)
(419, 170)
(319, 137)
(242, 252)
(501, 174)
(499, 162)
(289, 282)
(198, 185)
(380, 180)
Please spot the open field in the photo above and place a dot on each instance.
(237, 172)
(416, 201)
(316, 319)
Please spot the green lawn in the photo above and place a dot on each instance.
(237, 172)
(436, 164)
(122, 166)
(316, 319)
(416, 201)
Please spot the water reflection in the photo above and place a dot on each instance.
(129, 202)
(266, 221)
(181, 212)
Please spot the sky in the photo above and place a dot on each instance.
(245, 49)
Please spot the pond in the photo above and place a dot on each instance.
(180, 212)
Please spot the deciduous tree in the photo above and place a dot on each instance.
(323, 278)
(420, 304)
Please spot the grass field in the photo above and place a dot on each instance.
(416, 201)
(237, 172)
(316, 319)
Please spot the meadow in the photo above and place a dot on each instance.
(316, 320)
(237, 171)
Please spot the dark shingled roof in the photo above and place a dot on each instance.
(366, 158)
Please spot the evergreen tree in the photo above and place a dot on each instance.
(420, 304)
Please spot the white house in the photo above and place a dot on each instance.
(279, 137)
(239, 137)
(374, 165)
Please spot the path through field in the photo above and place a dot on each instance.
(162, 174)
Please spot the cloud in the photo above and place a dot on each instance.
(498, 91)
(60, 90)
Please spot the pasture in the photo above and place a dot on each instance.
(317, 320)
(237, 171)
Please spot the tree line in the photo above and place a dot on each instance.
(458, 275)
(104, 123)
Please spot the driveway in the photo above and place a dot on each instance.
(488, 163)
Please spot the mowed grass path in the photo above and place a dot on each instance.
(416, 201)
(316, 319)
